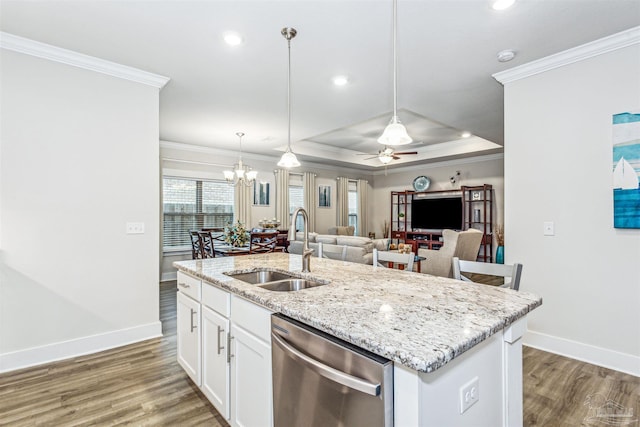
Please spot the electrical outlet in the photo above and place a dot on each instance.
(135, 228)
(549, 228)
(469, 394)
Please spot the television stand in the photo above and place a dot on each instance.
(431, 239)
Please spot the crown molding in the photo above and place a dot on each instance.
(598, 47)
(53, 53)
(444, 163)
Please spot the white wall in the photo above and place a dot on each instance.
(79, 160)
(558, 167)
(473, 171)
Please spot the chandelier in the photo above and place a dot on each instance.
(241, 173)
(289, 159)
(395, 133)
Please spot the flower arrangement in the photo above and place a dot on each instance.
(236, 234)
(500, 235)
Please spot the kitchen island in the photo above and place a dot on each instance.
(440, 333)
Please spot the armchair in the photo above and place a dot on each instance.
(463, 244)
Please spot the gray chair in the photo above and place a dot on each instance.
(461, 244)
(338, 252)
(513, 272)
(406, 260)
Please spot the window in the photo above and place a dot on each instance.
(296, 198)
(193, 204)
(353, 206)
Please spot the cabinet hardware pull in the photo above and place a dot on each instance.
(219, 347)
(184, 285)
(192, 325)
(229, 355)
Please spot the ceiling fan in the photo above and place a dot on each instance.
(387, 155)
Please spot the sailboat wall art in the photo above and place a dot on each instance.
(626, 170)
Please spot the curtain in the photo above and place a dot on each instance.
(342, 202)
(310, 190)
(362, 187)
(242, 204)
(282, 197)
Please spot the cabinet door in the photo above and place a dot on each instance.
(251, 403)
(188, 331)
(215, 369)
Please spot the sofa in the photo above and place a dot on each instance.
(359, 249)
(461, 244)
(342, 230)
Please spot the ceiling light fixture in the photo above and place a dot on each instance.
(465, 134)
(395, 133)
(288, 159)
(340, 80)
(385, 158)
(506, 55)
(241, 173)
(233, 39)
(502, 4)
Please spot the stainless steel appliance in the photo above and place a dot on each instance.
(321, 381)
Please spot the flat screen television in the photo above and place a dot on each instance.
(436, 213)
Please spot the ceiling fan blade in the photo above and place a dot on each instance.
(369, 158)
(394, 157)
(405, 152)
(366, 154)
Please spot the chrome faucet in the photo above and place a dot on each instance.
(306, 252)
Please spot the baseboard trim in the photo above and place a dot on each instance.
(606, 358)
(78, 347)
(167, 277)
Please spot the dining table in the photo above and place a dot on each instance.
(229, 250)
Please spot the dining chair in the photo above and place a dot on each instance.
(196, 252)
(512, 272)
(403, 261)
(338, 252)
(263, 242)
(206, 244)
(217, 234)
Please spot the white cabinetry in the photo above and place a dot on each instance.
(227, 351)
(250, 365)
(215, 365)
(188, 326)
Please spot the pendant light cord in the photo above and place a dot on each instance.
(395, 60)
(289, 96)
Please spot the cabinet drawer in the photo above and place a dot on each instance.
(216, 299)
(251, 317)
(189, 285)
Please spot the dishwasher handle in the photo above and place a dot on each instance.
(327, 371)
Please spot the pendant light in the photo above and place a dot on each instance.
(241, 173)
(395, 133)
(288, 159)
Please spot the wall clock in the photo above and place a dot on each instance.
(421, 183)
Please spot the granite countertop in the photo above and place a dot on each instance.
(414, 319)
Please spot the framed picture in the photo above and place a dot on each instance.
(260, 193)
(324, 196)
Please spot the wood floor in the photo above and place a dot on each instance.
(142, 384)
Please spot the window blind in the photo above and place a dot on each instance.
(190, 204)
(353, 206)
(296, 200)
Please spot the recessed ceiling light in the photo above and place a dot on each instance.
(502, 4)
(465, 134)
(340, 80)
(233, 39)
(506, 55)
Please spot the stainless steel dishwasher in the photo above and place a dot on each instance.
(321, 381)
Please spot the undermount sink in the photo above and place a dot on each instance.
(260, 276)
(289, 285)
(276, 280)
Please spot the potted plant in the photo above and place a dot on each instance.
(236, 234)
